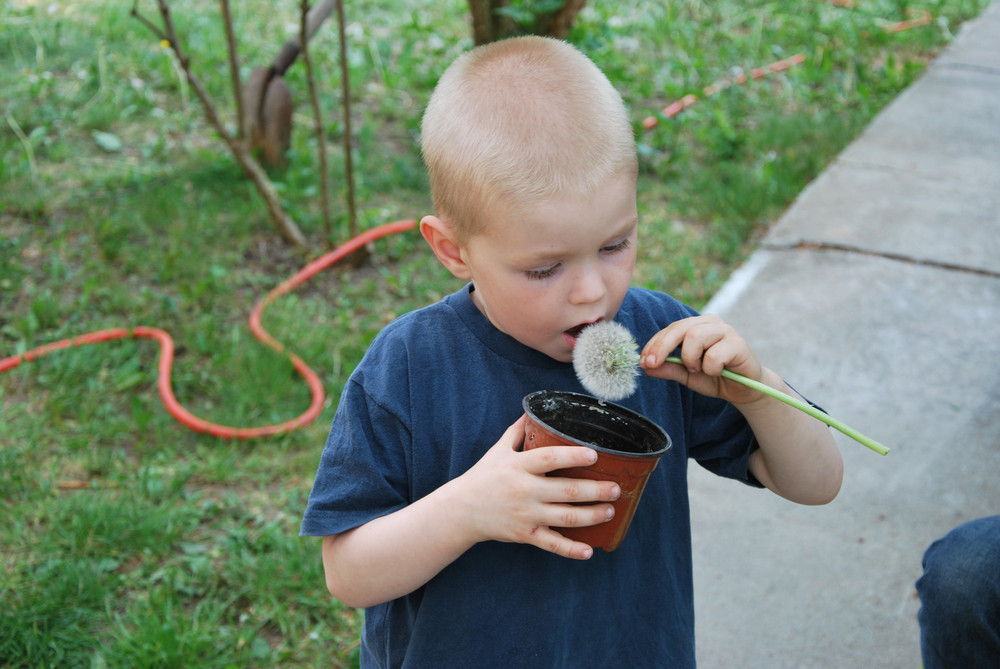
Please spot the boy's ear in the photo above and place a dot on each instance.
(441, 238)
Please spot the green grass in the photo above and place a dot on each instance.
(180, 549)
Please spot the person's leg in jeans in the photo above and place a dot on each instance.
(960, 598)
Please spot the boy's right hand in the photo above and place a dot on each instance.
(508, 497)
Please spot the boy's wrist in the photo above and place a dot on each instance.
(763, 403)
(456, 511)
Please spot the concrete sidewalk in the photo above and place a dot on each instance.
(878, 296)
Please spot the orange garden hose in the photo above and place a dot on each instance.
(174, 407)
(677, 107)
(921, 18)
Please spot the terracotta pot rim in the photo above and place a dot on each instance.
(616, 408)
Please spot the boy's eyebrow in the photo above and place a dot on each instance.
(624, 231)
(541, 257)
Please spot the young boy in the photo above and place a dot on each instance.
(431, 516)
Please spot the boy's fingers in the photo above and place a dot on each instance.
(563, 490)
(657, 349)
(514, 435)
(550, 540)
(545, 459)
(706, 347)
(695, 337)
(582, 516)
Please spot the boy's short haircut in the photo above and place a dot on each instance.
(519, 120)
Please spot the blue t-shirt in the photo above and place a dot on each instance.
(435, 391)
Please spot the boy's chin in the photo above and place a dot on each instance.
(559, 351)
(565, 354)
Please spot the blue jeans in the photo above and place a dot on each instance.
(960, 598)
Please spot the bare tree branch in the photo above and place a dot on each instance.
(153, 28)
(324, 187)
(290, 49)
(234, 65)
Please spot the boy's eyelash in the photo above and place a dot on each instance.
(539, 274)
(620, 246)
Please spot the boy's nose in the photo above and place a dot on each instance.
(588, 287)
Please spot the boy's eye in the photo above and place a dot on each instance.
(548, 272)
(617, 247)
(538, 274)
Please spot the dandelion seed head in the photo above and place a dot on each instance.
(606, 360)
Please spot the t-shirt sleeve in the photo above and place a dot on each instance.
(362, 473)
(722, 440)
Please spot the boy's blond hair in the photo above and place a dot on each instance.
(519, 120)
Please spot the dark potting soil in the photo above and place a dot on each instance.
(595, 422)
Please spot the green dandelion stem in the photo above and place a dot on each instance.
(801, 406)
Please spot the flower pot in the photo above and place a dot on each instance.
(628, 446)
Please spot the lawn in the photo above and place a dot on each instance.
(129, 540)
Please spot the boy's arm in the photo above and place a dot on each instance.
(506, 496)
(798, 457)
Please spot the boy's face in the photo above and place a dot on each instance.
(542, 274)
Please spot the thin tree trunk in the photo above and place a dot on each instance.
(489, 26)
(345, 84)
(561, 22)
(285, 225)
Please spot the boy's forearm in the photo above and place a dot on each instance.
(798, 457)
(394, 555)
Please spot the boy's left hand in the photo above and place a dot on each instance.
(707, 346)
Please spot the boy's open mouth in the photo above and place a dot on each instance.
(575, 331)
